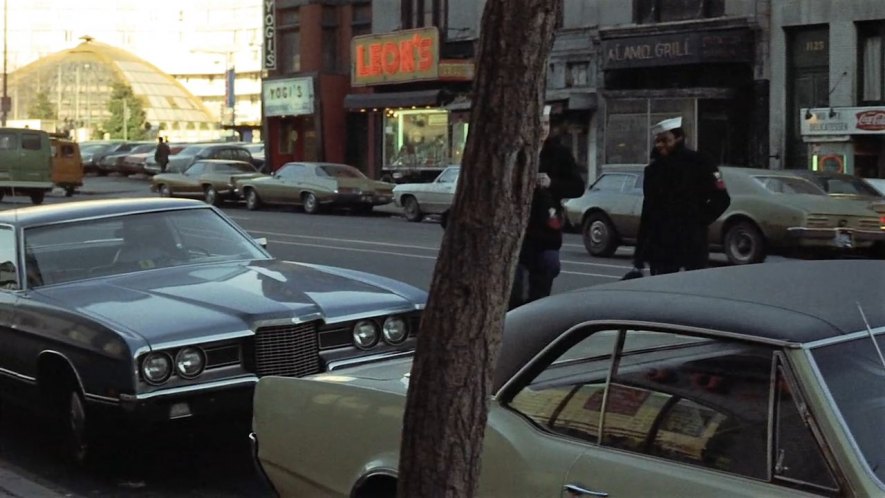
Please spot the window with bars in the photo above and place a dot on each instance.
(652, 11)
(425, 13)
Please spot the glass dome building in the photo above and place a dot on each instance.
(78, 83)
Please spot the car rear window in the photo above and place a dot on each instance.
(788, 185)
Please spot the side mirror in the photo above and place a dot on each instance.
(262, 241)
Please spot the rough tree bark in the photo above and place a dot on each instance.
(461, 330)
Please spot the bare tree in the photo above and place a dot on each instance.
(461, 330)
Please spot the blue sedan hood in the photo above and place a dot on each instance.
(180, 303)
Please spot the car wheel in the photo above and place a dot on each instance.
(411, 209)
(71, 421)
(744, 244)
(310, 203)
(69, 191)
(164, 190)
(37, 197)
(253, 202)
(600, 237)
(210, 195)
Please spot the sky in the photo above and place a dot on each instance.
(178, 36)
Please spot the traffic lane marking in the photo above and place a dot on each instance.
(419, 256)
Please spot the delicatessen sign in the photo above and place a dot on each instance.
(843, 121)
(409, 55)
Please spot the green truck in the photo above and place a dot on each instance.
(25, 163)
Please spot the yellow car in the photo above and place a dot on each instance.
(729, 382)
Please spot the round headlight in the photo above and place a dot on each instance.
(365, 334)
(189, 362)
(156, 367)
(395, 330)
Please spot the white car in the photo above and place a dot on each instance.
(418, 199)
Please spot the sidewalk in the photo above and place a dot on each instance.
(14, 485)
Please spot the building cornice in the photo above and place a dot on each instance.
(720, 23)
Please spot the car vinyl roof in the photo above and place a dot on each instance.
(790, 302)
(69, 211)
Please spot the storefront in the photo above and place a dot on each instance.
(845, 139)
(703, 73)
(401, 105)
(289, 113)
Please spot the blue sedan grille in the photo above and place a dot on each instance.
(287, 350)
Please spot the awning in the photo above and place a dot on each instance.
(356, 101)
(574, 100)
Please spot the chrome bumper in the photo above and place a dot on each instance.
(836, 237)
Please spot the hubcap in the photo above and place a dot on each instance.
(210, 195)
(742, 246)
(251, 199)
(598, 233)
(310, 202)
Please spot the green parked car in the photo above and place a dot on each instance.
(749, 381)
(771, 212)
(212, 180)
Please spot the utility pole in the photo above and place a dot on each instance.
(4, 102)
(125, 120)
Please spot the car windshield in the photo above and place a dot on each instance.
(66, 252)
(855, 377)
(143, 148)
(788, 185)
(339, 171)
(192, 150)
(95, 147)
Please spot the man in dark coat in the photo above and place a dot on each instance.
(683, 194)
(558, 179)
(161, 155)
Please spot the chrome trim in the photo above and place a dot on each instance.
(849, 436)
(827, 233)
(352, 362)
(101, 399)
(250, 380)
(578, 490)
(801, 403)
(843, 338)
(380, 471)
(368, 315)
(18, 376)
(651, 326)
(197, 342)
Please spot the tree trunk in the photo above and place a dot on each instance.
(461, 329)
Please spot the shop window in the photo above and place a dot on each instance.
(628, 125)
(872, 56)
(416, 138)
(651, 11)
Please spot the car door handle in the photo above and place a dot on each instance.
(576, 490)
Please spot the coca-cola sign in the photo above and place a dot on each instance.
(871, 120)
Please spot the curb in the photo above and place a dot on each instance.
(15, 485)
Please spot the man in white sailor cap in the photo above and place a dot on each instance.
(683, 194)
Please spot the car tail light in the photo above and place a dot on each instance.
(882, 222)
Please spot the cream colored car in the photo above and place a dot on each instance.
(771, 212)
(711, 383)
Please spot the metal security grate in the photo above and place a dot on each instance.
(287, 350)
